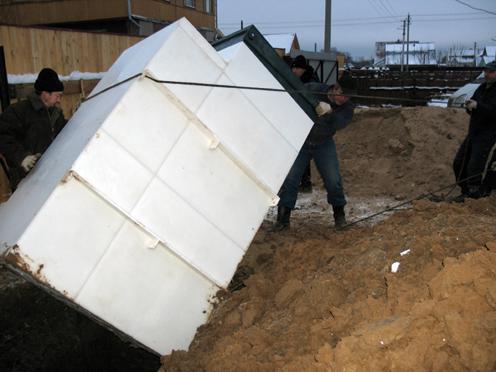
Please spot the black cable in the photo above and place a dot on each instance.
(110, 87)
(422, 196)
(283, 90)
(189, 83)
(473, 7)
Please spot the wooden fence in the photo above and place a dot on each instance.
(409, 88)
(29, 49)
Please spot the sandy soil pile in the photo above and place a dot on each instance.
(400, 152)
(321, 300)
(315, 299)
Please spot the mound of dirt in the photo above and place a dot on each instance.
(400, 153)
(414, 292)
(321, 300)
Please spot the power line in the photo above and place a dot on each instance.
(368, 20)
(473, 7)
(386, 9)
(302, 25)
(356, 19)
(390, 6)
(377, 9)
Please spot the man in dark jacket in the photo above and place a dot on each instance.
(28, 127)
(319, 146)
(475, 160)
(302, 69)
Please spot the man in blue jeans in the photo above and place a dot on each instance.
(335, 111)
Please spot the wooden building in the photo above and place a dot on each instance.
(130, 17)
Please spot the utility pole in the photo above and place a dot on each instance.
(408, 42)
(327, 31)
(403, 47)
(475, 54)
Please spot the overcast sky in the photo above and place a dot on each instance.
(358, 24)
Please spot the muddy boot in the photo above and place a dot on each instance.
(339, 217)
(283, 215)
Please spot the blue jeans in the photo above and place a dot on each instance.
(326, 160)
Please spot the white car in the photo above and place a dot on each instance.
(466, 92)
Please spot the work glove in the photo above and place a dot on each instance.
(323, 108)
(29, 161)
(471, 105)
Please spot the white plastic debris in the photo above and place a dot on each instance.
(394, 267)
(404, 253)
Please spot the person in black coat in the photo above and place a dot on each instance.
(475, 162)
(302, 69)
(28, 127)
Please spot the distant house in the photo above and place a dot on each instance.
(413, 53)
(283, 44)
(464, 57)
(488, 55)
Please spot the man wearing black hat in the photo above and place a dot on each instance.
(28, 127)
(475, 161)
(302, 69)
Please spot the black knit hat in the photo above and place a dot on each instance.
(299, 62)
(48, 81)
(491, 66)
(348, 85)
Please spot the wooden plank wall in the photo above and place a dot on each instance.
(29, 49)
(53, 11)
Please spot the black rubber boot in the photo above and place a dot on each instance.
(283, 215)
(339, 217)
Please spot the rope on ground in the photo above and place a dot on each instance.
(420, 197)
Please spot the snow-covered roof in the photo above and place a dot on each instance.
(281, 41)
(413, 59)
(490, 51)
(418, 54)
(413, 47)
(75, 75)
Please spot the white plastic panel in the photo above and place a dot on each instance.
(113, 172)
(149, 133)
(246, 69)
(69, 236)
(138, 277)
(197, 173)
(189, 234)
(193, 64)
(248, 134)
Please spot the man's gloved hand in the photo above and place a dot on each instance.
(323, 108)
(29, 161)
(471, 105)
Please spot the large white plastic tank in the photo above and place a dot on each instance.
(146, 202)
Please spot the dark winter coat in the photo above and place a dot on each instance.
(27, 127)
(327, 125)
(483, 118)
